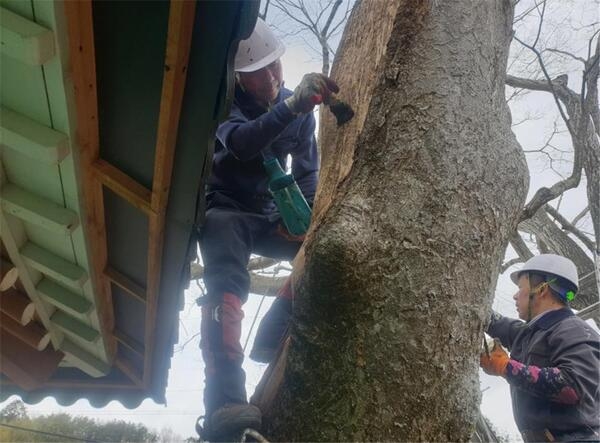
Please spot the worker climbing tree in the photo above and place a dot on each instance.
(266, 124)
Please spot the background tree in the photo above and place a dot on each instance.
(316, 23)
(548, 58)
(15, 410)
(65, 427)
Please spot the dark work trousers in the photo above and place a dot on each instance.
(228, 237)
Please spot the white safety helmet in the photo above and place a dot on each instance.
(550, 264)
(259, 50)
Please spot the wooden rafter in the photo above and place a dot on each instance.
(32, 139)
(130, 343)
(179, 39)
(17, 306)
(32, 334)
(125, 283)
(83, 73)
(129, 370)
(37, 210)
(8, 274)
(13, 237)
(24, 39)
(123, 185)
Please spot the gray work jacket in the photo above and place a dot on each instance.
(558, 339)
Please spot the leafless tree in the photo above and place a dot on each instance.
(318, 23)
(548, 61)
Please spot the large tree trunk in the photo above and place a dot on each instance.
(417, 199)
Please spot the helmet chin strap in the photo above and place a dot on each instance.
(538, 289)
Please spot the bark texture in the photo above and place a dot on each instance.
(418, 197)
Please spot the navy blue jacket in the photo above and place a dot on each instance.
(557, 339)
(238, 177)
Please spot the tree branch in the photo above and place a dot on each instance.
(263, 15)
(539, 31)
(520, 247)
(567, 226)
(332, 14)
(510, 263)
(580, 216)
(545, 195)
(559, 88)
(550, 84)
(565, 53)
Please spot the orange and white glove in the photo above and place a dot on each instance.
(495, 363)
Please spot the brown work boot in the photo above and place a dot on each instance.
(235, 417)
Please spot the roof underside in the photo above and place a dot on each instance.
(103, 157)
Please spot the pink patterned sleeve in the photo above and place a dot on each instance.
(549, 383)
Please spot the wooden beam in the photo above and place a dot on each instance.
(74, 326)
(37, 210)
(179, 40)
(123, 185)
(130, 343)
(125, 283)
(80, 29)
(8, 275)
(32, 139)
(24, 366)
(127, 368)
(53, 266)
(13, 237)
(24, 40)
(63, 298)
(17, 306)
(33, 334)
(88, 363)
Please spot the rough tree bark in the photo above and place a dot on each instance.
(418, 197)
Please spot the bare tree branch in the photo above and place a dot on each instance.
(580, 216)
(567, 226)
(559, 87)
(510, 263)
(263, 15)
(319, 20)
(334, 9)
(539, 31)
(520, 247)
(566, 53)
(526, 13)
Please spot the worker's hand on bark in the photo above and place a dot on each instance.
(282, 231)
(313, 90)
(495, 363)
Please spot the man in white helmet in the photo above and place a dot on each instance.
(554, 364)
(266, 121)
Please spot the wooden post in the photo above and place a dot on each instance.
(8, 275)
(17, 306)
(32, 334)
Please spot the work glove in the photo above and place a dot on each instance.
(495, 363)
(313, 90)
